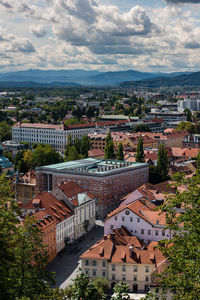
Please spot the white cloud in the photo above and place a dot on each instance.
(38, 30)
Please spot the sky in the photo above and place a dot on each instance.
(105, 35)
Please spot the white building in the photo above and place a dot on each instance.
(81, 202)
(55, 135)
(191, 104)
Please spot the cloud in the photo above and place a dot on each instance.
(38, 31)
(21, 45)
(182, 1)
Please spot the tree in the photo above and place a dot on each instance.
(154, 175)
(102, 286)
(72, 154)
(45, 155)
(198, 160)
(188, 114)
(188, 126)
(23, 268)
(28, 159)
(120, 152)
(85, 145)
(139, 151)
(109, 149)
(83, 288)
(5, 131)
(162, 164)
(182, 251)
(120, 291)
(141, 128)
(77, 144)
(69, 144)
(20, 164)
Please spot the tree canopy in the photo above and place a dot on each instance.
(162, 164)
(140, 151)
(182, 251)
(120, 152)
(109, 148)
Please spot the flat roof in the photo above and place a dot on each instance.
(92, 166)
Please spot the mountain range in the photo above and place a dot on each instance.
(74, 78)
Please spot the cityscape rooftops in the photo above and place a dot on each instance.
(92, 166)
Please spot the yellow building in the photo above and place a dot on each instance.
(122, 257)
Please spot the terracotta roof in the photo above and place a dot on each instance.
(71, 190)
(184, 152)
(116, 249)
(43, 219)
(95, 152)
(52, 206)
(39, 126)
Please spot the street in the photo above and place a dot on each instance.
(67, 265)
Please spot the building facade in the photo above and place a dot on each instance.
(122, 257)
(81, 202)
(107, 180)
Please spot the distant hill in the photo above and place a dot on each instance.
(38, 78)
(184, 80)
(32, 84)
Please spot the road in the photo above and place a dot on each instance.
(67, 266)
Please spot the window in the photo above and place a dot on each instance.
(86, 262)
(131, 219)
(156, 232)
(94, 263)
(138, 220)
(87, 271)
(115, 218)
(111, 226)
(123, 277)
(123, 219)
(94, 272)
(135, 278)
(142, 231)
(149, 231)
(113, 276)
(103, 274)
(103, 264)
(113, 267)
(123, 268)
(147, 278)
(134, 268)
(163, 233)
(147, 269)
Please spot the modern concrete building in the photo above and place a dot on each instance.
(107, 180)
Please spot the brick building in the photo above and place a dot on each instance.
(47, 224)
(107, 180)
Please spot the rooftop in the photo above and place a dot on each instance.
(92, 166)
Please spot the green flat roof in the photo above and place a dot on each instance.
(92, 165)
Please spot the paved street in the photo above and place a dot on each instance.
(67, 266)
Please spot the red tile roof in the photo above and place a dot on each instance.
(71, 190)
(57, 209)
(115, 248)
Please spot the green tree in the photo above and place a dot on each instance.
(109, 148)
(85, 145)
(188, 114)
(141, 128)
(162, 164)
(77, 144)
(20, 164)
(120, 152)
(23, 268)
(198, 160)
(182, 251)
(72, 154)
(83, 288)
(28, 159)
(139, 151)
(102, 286)
(5, 131)
(120, 292)
(188, 126)
(69, 145)
(45, 155)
